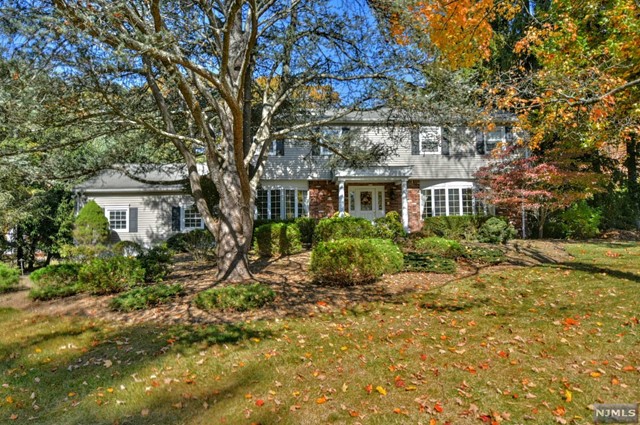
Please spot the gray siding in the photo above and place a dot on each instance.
(461, 162)
(154, 213)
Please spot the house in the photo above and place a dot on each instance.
(430, 173)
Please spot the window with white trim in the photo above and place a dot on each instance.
(430, 140)
(118, 218)
(455, 198)
(190, 218)
(281, 203)
(493, 138)
(276, 148)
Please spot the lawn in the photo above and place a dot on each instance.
(506, 345)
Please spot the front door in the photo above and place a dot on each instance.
(366, 201)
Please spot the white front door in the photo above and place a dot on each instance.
(366, 201)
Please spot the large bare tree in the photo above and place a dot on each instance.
(218, 80)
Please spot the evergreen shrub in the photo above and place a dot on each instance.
(389, 226)
(9, 278)
(343, 227)
(237, 297)
(91, 227)
(273, 239)
(110, 275)
(496, 230)
(354, 261)
(146, 297)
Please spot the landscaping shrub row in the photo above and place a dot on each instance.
(101, 275)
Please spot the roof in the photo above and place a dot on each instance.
(171, 177)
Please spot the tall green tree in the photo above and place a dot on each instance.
(185, 73)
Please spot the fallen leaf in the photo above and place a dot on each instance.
(568, 396)
(381, 390)
(321, 400)
(145, 412)
(259, 402)
(438, 408)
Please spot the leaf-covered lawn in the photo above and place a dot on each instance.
(511, 345)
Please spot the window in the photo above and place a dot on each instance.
(455, 198)
(331, 136)
(191, 218)
(276, 203)
(118, 218)
(276, 148)
(430, 140)
(493, 138)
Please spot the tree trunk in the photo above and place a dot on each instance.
(233, 235)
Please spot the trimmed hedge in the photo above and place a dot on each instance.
(9, 278)
(145, 297)
(421, 262)
(110, 275)
(307, 227)
(236, 297)
(439, 246)
(55, 281)
(354, 261)
(273, 239)
(335, 228)
(389, 226)
(199, 243)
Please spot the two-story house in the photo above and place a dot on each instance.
(430, 173)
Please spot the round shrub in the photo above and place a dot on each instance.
(127, 249)
(156, 263)
(145, 297)
(354, 261)
(439, 246)
(55, 281)
(496, 230)
(176, 242)
(110, 275)
(91, 227)
(236, 297)
(334, 228)
(9, 278)
(277, 239)
(389, 226)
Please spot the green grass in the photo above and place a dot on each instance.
(511, 343)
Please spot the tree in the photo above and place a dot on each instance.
(185, 73)
(514, 182)
(91, 227)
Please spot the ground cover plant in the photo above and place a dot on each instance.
(146, 297)
(236, 297)
(508, 345)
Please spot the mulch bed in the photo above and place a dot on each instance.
(297, 296)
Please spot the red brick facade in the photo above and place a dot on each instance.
(323, 199)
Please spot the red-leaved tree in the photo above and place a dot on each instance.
(515, 182)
